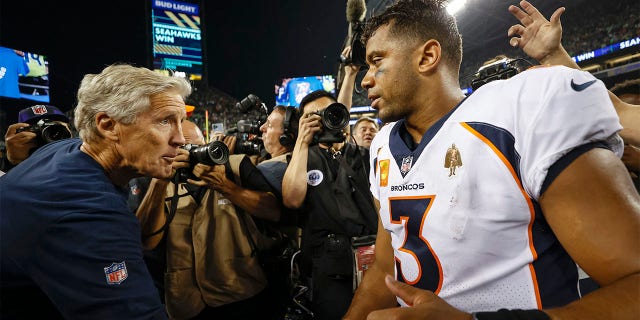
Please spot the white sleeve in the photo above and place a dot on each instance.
(568, 108)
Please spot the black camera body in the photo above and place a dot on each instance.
(358, 50)
(334, 119)
(250, 102)
(248, 135)
(498, 70)
(47, 131)
(213, 153)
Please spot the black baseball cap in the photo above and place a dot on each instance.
(33, 114)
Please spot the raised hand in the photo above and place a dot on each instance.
(538, 37)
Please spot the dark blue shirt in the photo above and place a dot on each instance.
(69, 243)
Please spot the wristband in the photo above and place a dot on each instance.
(515, 314)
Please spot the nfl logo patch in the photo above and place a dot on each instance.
(116, 273)
(39, 109)
(135, 190)
(406, 164)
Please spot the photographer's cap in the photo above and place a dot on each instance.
(32, 114)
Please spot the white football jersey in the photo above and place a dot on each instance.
(462, 207)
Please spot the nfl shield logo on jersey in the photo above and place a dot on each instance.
(406, 164)
(116, 273)
(135, 190)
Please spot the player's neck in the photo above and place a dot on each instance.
(429, 113)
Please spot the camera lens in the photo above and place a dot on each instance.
(249, 102)
(248, 147)
(335, 117)
(55, 132)
(213, 153)
(249, 126)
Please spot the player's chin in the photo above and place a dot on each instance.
(387, 116)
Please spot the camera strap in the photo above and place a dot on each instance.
(364, 200)
(234, 164)
(172, 211)
(196, 192)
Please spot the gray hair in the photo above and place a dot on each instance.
(121, 91)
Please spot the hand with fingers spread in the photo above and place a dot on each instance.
(538, 37)
(424, 304)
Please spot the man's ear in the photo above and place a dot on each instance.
(430, 54)
(107, 126)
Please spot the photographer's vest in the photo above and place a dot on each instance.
(209, 257)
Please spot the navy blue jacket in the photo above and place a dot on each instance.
(70, 246)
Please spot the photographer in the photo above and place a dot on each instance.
(211, 241)
(37, 125)
(327, 179)
(248, 130)
(279, 133)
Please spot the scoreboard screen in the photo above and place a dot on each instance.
(177, 38)
(24, 75)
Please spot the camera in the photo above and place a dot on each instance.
(358, 50)
(249, 144)
(213, 153)
(250, 126)
(48, 131)
(333, 119)
(250, 102)
(498, 70)
(248, 140)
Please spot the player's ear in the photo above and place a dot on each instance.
(430, 53)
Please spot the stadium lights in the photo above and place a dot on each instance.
(455, 5)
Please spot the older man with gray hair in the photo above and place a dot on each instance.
(70, 247)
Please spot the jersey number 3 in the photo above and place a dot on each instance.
(412, 212)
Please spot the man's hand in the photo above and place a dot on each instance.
(538, 37)
(181, 160)
(19, 143)
(350, 69)
(423, 304)
(309, 125)
(212, 177)
(229, 141)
